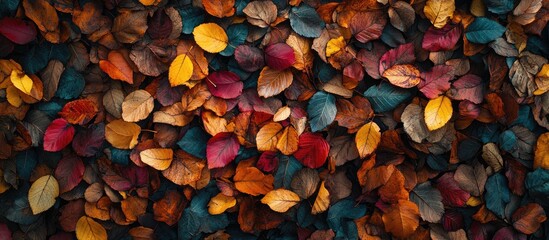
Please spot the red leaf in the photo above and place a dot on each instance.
(225, 84)
(221, 149)
(367, 26)
(279, 56)
(469, 109)
(370, 59)
(249, 58)
(58, 135)
(313, 150)
(5, 232)
(452, 220)
(452, 194)
(468, 87)
(403, 54)
(79, 111)
(160, 25)
(441, 39)
(436, 81)
(507, 233)
(17, 30)
(89, 141)
(69, 172)
(267, 161)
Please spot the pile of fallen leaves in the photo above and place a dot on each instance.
(299, 119)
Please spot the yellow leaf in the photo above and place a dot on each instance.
(42, 194)
(282, 114)
(21, 81)
(88, 229)
(280, 200)
(404, 76)
(181, 70)
(137, 106)
(267, 137)
(438, 112)
(158, 158)
(439, 11)
(149, 2)
(13, 96)
(210, 37)
(287, 141)
(122, 134)
(322, 201)
(302, 50)
(334, 45)
(367, 138)
(220, 203)
(542, 80)
(541, 153)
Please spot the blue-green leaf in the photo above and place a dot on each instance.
(287, 167)
(497, 194)
(499, 6)
(386, 97)
(192, 17)
(237, 34)
(484, 30)
(306, 22)
(194, 142)
(71, 84)
(322, 110)
(342, 212)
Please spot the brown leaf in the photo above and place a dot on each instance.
(260, 13)
(271, 82)
(305, 182)
(50, 77)
(129, 26)
(401, 219)
(137, 106)
(173, 115)
(134, 207)
(528, 218)
(44, 15)
(354, 113)
(185, 169)
(169, 208)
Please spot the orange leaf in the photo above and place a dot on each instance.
(79, 111)
(401, 219)
(267, 137)
(134, 207)
(169, 208)
(404, 76)
(251, 180)
(117, 67)
(528, 218)
(287, 141)
(219, 8)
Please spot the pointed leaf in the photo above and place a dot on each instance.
(221, 149)
(58, 135)
(438, 112)
(210, 37)
(43, 193)
(322, 110)
(280, 200)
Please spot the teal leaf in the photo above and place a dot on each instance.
(306, 22)
(26, 162)
(321, 110)
(192, 17)
(120, 156)
(499, 6)
(237, 34)
(429, 201)
(196, 219)
(8, 7)
(537, 183)
(287, 167)
(194, 142)
(507, 140)
(343, 211)
(20, 211)
(484, 30)
(497, 194)
(386, 97)
(71, 84)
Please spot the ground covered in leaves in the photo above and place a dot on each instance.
(299, 119)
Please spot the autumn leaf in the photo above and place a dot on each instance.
(251, 180)
(438, 112)
(404, 76)
(271, 82)
(43, 193)
(121, 134)
(58, 135)
(220, 203)
(367, 138)
(280, 200)
(210, 37)
(439, 11)
(79, 111)
(181, 70)
(158, 158)
(21, 81)
(219, 8)
(117, 67)
(401, 219)
(87, 228)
